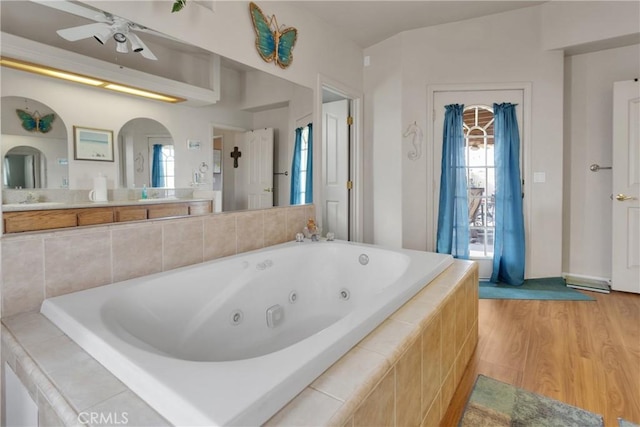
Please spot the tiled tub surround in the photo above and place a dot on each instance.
(403, 373)
(40, 265)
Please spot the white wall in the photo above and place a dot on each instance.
(577, 25)
(500, 48)
(588, 131)
(228, 31)
(382, 122)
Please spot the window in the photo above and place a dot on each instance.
(478, 123)
(168, 166)
(304, 151)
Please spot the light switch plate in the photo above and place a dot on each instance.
(539, 177)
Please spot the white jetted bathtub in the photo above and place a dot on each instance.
(230, 342)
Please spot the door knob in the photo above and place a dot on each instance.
(268, 190)
(622, 197)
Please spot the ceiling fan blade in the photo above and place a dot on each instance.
(138, 46)
(82, 32)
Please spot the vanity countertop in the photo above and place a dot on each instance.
(39, 206)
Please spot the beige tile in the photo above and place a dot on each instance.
(461, 317)
(296, 221)
(219, 236)
(57, 353)
(310, 211)
(125, 408)
(469, 302)
(24, 374)
(353, 376)
(391, 339)
(309, 408)
(47, 416)
(349, 423)
(275, 226)
(416, 312)
(76, 262)
(250, 230)
(434, 413)
(86, 384)
(182, 243)
(378, 409)
(409, 385)
(137, 251)
(431, 361)
(446, 393)
(448, 335)
(31, 328)
(22, 275)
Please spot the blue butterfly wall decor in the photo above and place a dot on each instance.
(273, 43)
(35, 123)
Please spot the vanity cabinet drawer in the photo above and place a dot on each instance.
(16, 222)
(199, 208)
(133, 213)
(95, 216)
(168, 210)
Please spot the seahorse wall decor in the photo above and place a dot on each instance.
(414, 131)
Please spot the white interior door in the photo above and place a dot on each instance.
(625, 275)
(468, 98)
(259, 161)
(335, 168)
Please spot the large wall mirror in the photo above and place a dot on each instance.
(250, 100)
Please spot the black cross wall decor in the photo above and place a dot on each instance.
(235, 154)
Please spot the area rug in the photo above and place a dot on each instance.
(552, 288)
(493, 404)
(624, 423)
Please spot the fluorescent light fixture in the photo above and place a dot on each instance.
(50, 72)
(139, 92)
(78, 78)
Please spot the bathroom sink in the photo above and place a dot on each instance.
(163, 199)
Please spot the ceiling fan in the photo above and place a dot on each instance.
(107, 26)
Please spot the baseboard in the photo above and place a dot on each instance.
(587, 283)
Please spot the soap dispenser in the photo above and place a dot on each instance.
(144, 192)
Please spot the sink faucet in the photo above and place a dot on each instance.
(31, 198)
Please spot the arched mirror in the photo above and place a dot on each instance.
(34, 145)
(147, 155)
(23, 167)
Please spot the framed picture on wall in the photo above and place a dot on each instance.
(92, 144)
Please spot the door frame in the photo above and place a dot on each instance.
(356, 196)
(432, 215)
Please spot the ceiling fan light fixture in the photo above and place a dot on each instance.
(136, 43)
(120, 37)
(102, 35)
(122, 47)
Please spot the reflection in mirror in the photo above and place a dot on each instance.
(32, 159)
(146, 154)
(249, 99)
(23, 168)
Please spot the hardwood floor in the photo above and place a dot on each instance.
(586, 354)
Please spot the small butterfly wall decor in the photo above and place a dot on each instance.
(274, 43)
(34, 122)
